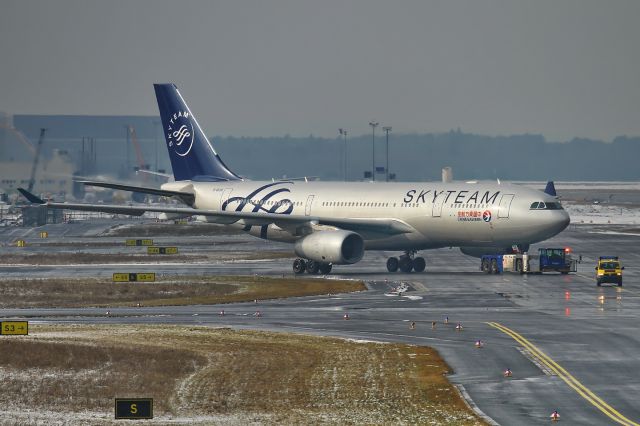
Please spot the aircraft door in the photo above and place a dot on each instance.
(436, 209)
(505, 205)
(224, 196)
(307, 207)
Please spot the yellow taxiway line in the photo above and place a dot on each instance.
(573, 383)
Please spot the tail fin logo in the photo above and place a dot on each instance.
(180, 133)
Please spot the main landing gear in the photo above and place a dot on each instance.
(311, 266)
(406, 263)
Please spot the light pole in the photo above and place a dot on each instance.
(387, 129)
(127, 128)
(343, 133)
(373, 125)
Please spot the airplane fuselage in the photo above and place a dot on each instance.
(459, 214)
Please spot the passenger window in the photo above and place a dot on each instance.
(534, 205)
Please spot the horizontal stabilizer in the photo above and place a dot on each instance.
(186, 197)
(29, 196)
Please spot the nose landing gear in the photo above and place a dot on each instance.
(406, 263)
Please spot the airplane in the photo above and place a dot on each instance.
(334, 223)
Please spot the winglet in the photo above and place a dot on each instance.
(29, 196)
(550, 189)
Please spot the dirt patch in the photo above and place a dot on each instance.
(72, 373)
(84, 292)
(91, 258)
(96, 243)
(171, 229)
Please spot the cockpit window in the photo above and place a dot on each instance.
(549, 205)
(554, 206)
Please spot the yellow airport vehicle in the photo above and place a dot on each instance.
(162, 250)
(14, 328)
(126, 277)
(137, 243)
(609, 270)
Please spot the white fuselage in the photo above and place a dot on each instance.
(458, 214)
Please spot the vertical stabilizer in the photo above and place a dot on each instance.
(192, 155)
(550, 189)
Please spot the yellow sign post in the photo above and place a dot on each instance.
(162, 250)
(137, 243)
(21, 243)
(134, 408)
(14, 328)
(126, 277)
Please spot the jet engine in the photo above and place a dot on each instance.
(337, 247)
(481, 251)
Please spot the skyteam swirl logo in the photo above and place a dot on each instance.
(486, 216)
(267, 199)
(263, 199)
(180, 133)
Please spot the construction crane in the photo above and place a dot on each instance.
(138, 196)
(136, 145)
(36, 158)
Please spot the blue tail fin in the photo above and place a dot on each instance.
(192, 155)
(550, 189)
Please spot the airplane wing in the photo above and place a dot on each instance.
(378, 226)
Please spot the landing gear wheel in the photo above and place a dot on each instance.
(405, 264)
(392, 264)
(484, 266)
(494, 267)
(325, 268)
(313, 267)
(419, 264)
(299, 266)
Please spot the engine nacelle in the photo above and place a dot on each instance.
(337, 247)
(481, 251)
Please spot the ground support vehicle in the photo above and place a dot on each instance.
(609, 270)
(547, 260)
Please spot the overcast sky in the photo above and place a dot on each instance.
(267, 68)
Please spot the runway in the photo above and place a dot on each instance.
(571, 345)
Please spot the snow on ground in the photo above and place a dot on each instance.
(602, 214)
(560, 185)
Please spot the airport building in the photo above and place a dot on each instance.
(77, 146)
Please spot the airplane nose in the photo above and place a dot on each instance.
(561, 221)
